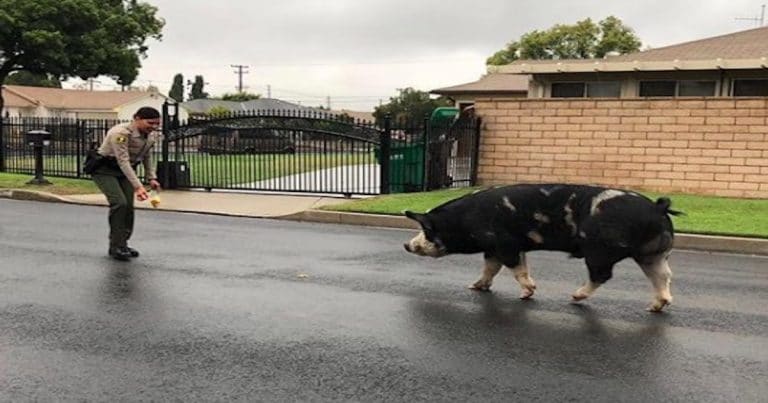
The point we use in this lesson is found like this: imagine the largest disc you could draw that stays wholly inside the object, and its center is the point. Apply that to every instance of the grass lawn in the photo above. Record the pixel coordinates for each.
(224, 170)
(227, 170)
(704, 214)
(60, 186)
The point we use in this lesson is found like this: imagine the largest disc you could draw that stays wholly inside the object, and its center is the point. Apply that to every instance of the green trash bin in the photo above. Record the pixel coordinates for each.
(406, 166)
(443, 116)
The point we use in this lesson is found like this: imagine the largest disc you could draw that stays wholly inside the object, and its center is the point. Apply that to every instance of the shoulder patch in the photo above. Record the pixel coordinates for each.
(121, 139)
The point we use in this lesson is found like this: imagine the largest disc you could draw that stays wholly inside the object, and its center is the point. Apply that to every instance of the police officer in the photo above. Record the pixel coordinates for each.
(125, 146)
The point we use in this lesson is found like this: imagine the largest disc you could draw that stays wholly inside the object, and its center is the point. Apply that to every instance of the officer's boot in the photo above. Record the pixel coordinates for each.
(133, 252)
(120, 253)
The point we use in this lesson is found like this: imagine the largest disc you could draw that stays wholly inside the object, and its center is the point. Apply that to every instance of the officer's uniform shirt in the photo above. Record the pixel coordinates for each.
(125, 143)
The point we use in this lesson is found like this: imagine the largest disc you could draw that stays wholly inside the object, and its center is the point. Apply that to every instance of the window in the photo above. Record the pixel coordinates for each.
(694, 88)
(604, 89)
(657, 88)
(593, 89)
(567, 90)
(750, 88)
(682, 88)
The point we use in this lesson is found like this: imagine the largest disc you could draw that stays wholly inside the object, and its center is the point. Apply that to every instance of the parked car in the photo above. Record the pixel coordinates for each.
(223, 140)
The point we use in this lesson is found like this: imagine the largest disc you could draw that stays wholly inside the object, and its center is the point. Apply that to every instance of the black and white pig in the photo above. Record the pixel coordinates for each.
(601, 225)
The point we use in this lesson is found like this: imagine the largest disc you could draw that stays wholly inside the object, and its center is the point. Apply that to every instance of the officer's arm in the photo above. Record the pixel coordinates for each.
(119, 143)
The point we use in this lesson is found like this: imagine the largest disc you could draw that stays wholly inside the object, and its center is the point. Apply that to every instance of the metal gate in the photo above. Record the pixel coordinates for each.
(310, 151)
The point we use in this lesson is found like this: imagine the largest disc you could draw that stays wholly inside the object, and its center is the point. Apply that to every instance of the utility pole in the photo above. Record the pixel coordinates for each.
(758, 21)
(269, 91)
(328, 102)
(90, 83)
(240, 71)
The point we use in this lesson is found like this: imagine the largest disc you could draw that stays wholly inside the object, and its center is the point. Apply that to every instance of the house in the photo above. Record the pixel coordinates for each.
(25, 101)
(687, 118)
(203, 106)
(496, 85)
(732, 65)
(360, 116)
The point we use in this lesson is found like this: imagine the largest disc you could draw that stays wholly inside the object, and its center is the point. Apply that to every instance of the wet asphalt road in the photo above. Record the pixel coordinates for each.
(221, 308)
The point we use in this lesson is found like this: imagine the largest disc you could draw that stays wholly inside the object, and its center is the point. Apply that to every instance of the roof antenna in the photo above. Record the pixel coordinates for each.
(758, 21)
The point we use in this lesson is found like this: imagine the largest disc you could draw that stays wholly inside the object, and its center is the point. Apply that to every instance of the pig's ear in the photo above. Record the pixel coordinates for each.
(419, 218)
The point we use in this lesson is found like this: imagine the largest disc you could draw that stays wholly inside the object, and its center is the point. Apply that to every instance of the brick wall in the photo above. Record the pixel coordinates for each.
(713, 146)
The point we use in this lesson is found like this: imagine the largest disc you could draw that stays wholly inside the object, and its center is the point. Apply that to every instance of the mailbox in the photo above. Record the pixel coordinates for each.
(38, 138)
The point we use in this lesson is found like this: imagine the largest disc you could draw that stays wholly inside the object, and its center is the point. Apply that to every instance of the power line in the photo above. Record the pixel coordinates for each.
(759, 21)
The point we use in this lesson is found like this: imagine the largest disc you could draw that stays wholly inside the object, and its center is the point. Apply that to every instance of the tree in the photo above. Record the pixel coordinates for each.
(219, 112)
(75, 38)
(583, 40)
(177, 89)
(410, 105)
(197, 89)
(82, 38)
(34, 80)
(240, 96)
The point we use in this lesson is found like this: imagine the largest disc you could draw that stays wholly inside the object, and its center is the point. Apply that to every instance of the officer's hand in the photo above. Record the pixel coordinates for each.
(141, 193)
(154, 184)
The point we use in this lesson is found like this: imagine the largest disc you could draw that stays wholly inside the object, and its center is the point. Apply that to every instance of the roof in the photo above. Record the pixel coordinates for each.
(15, 100)
(739, 50)
(738, 45)
(490, 83)
(204, 105)
(59, 98)
(357, 115)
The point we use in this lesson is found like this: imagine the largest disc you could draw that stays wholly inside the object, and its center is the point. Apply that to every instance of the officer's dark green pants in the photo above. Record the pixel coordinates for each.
(119, 192)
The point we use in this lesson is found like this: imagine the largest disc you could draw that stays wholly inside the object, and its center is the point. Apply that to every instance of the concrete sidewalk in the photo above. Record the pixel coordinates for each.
(224, 203)
(300, 207)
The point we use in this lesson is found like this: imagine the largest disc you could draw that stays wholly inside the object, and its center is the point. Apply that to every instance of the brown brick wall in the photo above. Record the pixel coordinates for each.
(715, 146)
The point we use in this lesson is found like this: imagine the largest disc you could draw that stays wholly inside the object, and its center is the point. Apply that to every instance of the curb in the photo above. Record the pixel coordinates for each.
(708, 243)
(335, 217)
(22, 194)
(750, 246)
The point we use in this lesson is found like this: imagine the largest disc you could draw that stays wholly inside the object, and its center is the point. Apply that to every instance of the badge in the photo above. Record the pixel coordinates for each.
(121, 139)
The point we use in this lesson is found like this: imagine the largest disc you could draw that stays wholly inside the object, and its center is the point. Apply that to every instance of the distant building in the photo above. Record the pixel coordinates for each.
(203, 106)
(490, 85)
(25, 101)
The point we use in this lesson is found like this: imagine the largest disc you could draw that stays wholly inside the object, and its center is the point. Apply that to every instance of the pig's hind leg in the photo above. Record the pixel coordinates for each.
(523, 276)
(491, 269)
(656, 268)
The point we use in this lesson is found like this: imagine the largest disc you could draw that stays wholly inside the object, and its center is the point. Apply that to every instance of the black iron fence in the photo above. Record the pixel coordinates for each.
(63, 155)
(287, 151)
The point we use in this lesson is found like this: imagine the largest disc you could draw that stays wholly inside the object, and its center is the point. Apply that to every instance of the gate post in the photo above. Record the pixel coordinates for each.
(475, 153)
(79, 146)
(425, 149)
(2, 142)
(164, 158)
(385, 140)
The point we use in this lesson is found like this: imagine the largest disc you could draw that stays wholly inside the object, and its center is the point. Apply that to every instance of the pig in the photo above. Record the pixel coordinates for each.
(599, 224)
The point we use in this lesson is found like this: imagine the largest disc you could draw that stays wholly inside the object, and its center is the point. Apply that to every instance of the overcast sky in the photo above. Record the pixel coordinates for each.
(359, 52)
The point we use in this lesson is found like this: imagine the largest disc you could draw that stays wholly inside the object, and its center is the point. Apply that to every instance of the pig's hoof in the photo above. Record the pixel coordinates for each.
(578, 296)
(527, 293)
(480, 286)
(659, 304)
